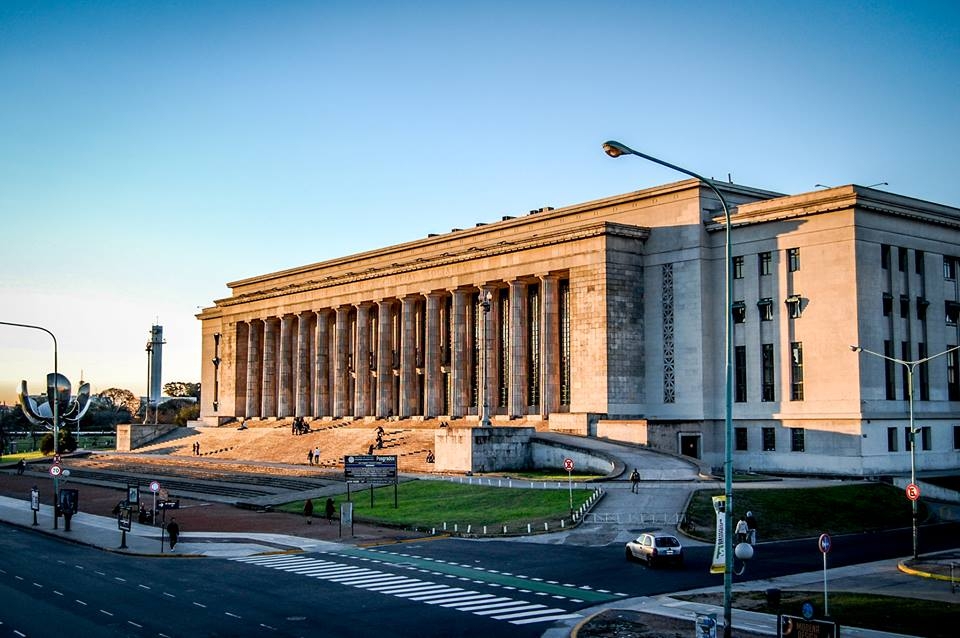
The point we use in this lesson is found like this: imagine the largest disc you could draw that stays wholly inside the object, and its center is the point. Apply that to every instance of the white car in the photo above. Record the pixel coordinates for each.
(655, 549)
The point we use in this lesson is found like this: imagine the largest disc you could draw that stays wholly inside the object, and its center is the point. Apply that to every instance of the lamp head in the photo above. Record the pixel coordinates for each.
(615, 149)
(856, 348)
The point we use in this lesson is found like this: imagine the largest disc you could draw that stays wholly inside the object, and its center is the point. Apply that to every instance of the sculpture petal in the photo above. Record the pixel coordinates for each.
(29, 406)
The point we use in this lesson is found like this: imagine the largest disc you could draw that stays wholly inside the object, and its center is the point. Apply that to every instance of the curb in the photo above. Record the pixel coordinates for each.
(901, 565)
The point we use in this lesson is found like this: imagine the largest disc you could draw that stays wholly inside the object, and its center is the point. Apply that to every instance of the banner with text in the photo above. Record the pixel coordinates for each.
(719, 549)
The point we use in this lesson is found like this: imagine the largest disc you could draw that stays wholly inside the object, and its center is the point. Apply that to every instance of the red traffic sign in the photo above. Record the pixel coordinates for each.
(913, 491)
(55, 470)
(568, 464)
(154, 486)
(824, 543)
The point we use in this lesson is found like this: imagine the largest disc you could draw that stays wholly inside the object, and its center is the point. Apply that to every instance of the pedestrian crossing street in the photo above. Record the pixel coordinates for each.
(512, 610)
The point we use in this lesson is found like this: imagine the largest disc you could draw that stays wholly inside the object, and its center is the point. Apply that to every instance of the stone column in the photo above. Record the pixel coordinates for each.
(517, 401)
(254, 359)
(432, 375)
(341, 375)
(384, 359)
(271, 328)
(459, 355)
(361, 362)
(285, 407)
(321, 360)
(549, 345)
(303, 384)
(408, 357)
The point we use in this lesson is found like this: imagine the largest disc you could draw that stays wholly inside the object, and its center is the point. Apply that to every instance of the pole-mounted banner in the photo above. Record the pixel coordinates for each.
(719, 549)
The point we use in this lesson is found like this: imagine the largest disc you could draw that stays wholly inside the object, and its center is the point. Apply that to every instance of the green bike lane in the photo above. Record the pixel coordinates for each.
(506, 580)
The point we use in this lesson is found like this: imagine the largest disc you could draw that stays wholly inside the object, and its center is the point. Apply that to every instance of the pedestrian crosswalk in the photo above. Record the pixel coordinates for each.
(506, 608)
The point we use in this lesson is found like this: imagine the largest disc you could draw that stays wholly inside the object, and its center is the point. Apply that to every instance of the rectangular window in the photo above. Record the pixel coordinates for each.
(926, 438)
(740, 374)
(739, 311)
(764, 263)
(767, 372)
(887, 304)
(922, 304)
(907, 439)
(796, 439)
(793, 259)
(765, 307)
(741, 438)
(904, 306)
(952, 310)
(769, 440)
(737, 267)
(889, 371)
(918, 264)
(956, 437)
(924, 373)
(905, 378)
(902, 260)
(796, 371)
(953, 381)
(794, 306)
(885, 257)
(949, 268)
(891, 439)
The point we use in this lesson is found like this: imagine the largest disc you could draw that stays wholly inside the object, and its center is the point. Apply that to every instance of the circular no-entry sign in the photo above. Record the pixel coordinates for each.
(913, 491)
(154, 486)
(825, 543)
(55, 470)
(568, 464)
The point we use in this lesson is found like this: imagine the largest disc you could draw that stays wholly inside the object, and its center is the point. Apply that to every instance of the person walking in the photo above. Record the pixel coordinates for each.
(329, 510)
(742, 531)
(308, 511)
(316, 455)
(635, 481)
(310, 457)
(21, 466)
(173, 530)
(752, 528)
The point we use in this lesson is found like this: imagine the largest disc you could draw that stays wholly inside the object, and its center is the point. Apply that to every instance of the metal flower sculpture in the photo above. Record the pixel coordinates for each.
(69, 409)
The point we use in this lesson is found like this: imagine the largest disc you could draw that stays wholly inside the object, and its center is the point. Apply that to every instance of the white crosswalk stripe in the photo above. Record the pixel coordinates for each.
(515, 611)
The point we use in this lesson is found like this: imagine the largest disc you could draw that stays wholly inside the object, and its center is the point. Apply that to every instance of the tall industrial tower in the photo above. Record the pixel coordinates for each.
(154, 370)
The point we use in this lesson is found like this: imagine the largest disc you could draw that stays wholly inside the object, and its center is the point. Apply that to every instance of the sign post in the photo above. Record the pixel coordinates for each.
(375, 469)
(913, 491)
(154, 487)
(824, 543)
(35, 503)
(568, 466)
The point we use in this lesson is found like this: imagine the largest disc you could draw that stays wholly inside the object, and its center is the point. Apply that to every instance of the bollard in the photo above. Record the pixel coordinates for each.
(444, 525)
(545, 528)
(469, 527)
(456, 528)
(528, 528)
(561, 524)
(433, 532)
(504, 529)
(484, 530)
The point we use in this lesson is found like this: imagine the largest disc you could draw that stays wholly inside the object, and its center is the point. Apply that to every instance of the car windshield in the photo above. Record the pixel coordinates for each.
(667, 541)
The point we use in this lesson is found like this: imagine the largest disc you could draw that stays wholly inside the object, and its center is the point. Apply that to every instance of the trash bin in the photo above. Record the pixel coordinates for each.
(773, 598)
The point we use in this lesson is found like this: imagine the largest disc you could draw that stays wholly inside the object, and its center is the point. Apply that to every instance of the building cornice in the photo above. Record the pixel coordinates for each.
(502, 247)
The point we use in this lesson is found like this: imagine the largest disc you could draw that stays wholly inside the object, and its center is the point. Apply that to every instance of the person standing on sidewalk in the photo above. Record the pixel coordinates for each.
(330, 508)
(308, 511)
(752, 528)
(173, 530)
(635, 481)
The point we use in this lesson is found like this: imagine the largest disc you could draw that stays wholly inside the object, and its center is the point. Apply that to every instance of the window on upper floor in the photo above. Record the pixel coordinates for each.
(891, 439)
(793, 259)
(740, 374)
(794, 305)
(902, 260)
(953, 379)
(956, 437)
(890, 376)
(766, 372)
(765, 307)
(926, 438)
(764, 263)
(737, 267)
(887, 304)
(952, 311)
(796, 371)
(949, 267)
(904, 306)
(922, 304)
(918, 263)
(885, 256)
(739, 311)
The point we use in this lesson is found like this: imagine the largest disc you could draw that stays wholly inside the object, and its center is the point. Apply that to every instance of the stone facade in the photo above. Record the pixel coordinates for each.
(613, 311)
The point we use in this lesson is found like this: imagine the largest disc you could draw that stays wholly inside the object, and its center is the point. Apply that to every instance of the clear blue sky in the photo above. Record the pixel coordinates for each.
(152, 151)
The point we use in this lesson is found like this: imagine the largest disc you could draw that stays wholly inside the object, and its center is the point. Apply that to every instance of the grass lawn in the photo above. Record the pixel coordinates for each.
(805, 512)
(430, 504)
(910, 616)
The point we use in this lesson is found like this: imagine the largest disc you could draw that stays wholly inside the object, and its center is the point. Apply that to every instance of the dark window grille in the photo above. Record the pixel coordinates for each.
(891, 439)
(796, 439)
(890, 382)
(737, 267)
(769, 440)
(767, 376)
(885, 257)
(740, 372)
(533, 341)
(565, 342)
(740, 435)
(793, 259)
(796, 371)
(503, 355)
(764, 261)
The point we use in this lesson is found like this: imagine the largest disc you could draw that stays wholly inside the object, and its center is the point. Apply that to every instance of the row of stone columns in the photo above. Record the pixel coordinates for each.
(386, 358)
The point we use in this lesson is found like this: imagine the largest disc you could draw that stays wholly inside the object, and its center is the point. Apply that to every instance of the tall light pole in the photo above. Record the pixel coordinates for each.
(485, 298)
(56, 414)
(909, 366)
(616, 149)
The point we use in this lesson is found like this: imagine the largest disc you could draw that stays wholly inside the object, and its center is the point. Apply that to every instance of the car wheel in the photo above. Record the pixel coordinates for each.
(629, 555)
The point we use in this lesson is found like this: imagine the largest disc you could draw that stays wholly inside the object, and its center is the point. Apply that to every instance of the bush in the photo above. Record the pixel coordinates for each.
(187, 413)
(67, 442)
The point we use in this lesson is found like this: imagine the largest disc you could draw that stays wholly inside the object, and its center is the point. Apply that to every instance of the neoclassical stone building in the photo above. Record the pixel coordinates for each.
(607, 319)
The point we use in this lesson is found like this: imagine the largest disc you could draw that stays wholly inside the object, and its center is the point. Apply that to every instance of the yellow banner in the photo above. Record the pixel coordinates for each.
(719, 549)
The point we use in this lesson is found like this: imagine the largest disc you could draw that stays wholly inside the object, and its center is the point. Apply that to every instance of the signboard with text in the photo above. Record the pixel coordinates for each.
(797, 627)
(370, 468)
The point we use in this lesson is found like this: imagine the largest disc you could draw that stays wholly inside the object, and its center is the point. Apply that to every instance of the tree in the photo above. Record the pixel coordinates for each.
(182, 389)
(120, 400)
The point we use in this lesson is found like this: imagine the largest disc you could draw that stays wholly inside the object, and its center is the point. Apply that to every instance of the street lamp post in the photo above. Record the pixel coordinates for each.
(485, 297)
(909, 366)
(56, 415)
(616, 149)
